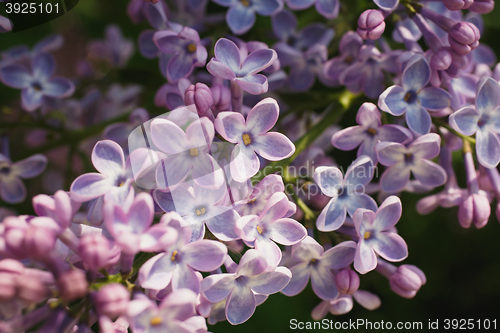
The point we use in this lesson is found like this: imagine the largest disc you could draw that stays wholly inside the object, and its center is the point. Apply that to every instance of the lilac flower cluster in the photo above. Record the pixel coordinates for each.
(197, 215)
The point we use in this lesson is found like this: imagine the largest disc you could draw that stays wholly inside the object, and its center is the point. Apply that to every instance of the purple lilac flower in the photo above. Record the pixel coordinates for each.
(376, 236)
(349, 47)
(344, 304)
(132, 228)
(257, 198)
(241, 14)
(238, 288)
(12, 189)
(179, 262)
(482, 120)
(414, 98)
(173, 315)
(187, 50)
(5, 24)
(414, 158)
(199, 207)
(114, 49)
(114, 180)
(369, 132)
(251, 137)
(271, 226)
(404, 280)
(186, 151)
(327, 8)
(38, 82)
(229, 65)
(346, 193)
(315, 263)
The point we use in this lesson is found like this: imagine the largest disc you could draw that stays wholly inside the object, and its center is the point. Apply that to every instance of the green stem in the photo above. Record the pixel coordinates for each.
(308, 213)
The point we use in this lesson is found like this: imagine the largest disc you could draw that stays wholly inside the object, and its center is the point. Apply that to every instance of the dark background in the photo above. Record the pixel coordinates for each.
(462, 266)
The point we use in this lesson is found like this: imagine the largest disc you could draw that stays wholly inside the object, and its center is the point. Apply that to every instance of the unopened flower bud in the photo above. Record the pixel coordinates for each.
(371, 24)
(464, 37)
(457, 4)
(39, 242)
(31, 290)
(441, 60)
(73, 285)
(96, 251)
(10, 270)
(221, 98)
(482, 6)
(13, 234)
(347, 281)
(111, 300)
(407, 280)
(475, 208)
(199, 95)
(341, 305)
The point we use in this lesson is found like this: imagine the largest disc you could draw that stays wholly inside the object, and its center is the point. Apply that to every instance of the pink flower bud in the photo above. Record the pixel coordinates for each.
(39, 242)
(96, 251)
(464, 37)
(441, 60)
(457, 4)
(13, 234)
(10, 270)
(222, 98)
(32, 290)
(341, 305)
(407, 280)
(482, 6)
(475, 208)
(199, 95)
(73, 285)
(371, 24)
(112, 300)
(347, 281)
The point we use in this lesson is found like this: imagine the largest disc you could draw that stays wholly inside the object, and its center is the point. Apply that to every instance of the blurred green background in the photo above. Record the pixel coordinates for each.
(462, 266)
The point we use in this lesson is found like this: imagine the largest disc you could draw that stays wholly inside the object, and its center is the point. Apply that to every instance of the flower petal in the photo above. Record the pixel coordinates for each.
(328, 8)
(31, 99)
(390, 153)
(465, 120)
(183, 276)
(168, 137)
(388, 214)
(244, 163)
(329, 179)
(433, 98)
(240, 304)
(30, 167)
(359, 173)
(140, 214)
(365, 259)
(488, 95)
(267, 7)
(156, 273)
(392, 101)
(222, 223)
(179, 66)
(108, 158)
(395, 178)
(270, 282)
(300, 277)
(263, 116)
(252, 263)
(231, 125)
(254, 84)
(217, 287)
(269, 250)
(388, 5)
(426, 146)
(204, 255)
(349, 138)
(307, 249)
(273, 146)
(418, 119)
(240, 19)
(390, 246)
(58, 87)
(417, 74)
(258, 61)
(339, 256)
(43, 66)
(15, 76)
(487, 148)
(430, 173)
(332, 216)
(287, 231)
(89, 186)
(220, 70)
(299, 4)
(323, 283)
(12, 190)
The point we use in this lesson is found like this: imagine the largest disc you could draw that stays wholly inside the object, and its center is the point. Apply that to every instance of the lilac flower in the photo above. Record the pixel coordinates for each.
(251, 137)
(132, 228)
(114, 49)
(317, 264)
(37, 83)
(414, 98)
(271, 226)
(186, 151)
(349, 47)
(367, 73)
(171, 316)
(484, 121)
(375, 235)
(241, 14)
(239, 287)
(229, 65)
(369, 132)
(114, 179)
(402, 160)
(5, 24)
(179, 262)
(346, 193)
(200, 206)
(187, 50)
(257, 198)
(344, 304)
(12, 189)
(327, 8)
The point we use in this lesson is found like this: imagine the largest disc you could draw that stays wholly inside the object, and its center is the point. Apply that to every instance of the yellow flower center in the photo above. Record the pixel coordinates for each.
(155, 321)
(372, 131)
(245, 3)
(313, 260)
(200, 211)
(259, 229)
(367, 235)
(174, 255)
(253, 200)
(246, 139)
(191, 48)
(193, 152)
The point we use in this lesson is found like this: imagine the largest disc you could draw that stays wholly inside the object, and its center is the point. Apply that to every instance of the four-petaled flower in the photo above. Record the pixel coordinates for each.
(251, 137)
(239, 288)
(327, 8)
(376, 236)
(347, 193)
(415, 158)
(37, 83)
(315, 263)
(369, 132)
(484, 121)
(414, 98)
(229, 65)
